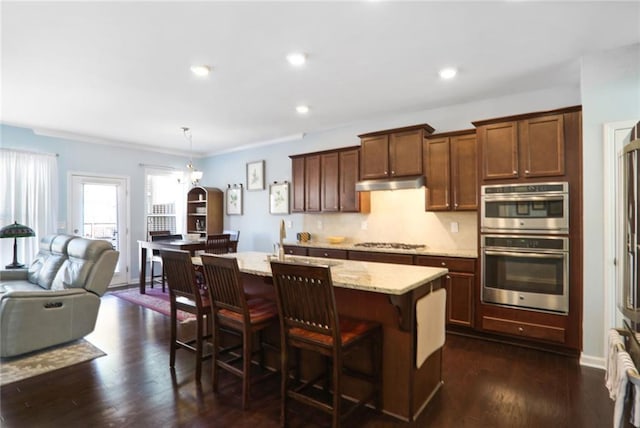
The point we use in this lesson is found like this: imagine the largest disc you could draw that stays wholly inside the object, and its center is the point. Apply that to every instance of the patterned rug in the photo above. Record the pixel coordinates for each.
(154, 299)
(39, 362)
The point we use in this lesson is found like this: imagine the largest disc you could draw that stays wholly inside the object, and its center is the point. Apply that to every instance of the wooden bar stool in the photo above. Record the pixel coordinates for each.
(185, 295)
(232, 310)
(309, 320)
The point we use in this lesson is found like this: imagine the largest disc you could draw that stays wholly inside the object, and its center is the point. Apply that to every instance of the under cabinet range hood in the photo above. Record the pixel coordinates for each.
(414, 182)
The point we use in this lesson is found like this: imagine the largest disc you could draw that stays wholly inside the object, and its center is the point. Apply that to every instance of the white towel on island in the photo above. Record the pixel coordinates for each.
(430, 319)
(611, 374)
(626, 392)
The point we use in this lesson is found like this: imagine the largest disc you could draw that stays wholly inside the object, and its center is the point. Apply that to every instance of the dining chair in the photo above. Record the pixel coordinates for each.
(185, 295)
(155, 254)
(234, 237)
(309, 321)
(232, 310)
(217, 244)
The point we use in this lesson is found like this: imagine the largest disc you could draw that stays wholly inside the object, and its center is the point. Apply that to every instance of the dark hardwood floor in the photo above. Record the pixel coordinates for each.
(486, 385)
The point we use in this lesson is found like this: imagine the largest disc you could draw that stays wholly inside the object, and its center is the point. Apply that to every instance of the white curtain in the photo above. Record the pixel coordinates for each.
(28, 195)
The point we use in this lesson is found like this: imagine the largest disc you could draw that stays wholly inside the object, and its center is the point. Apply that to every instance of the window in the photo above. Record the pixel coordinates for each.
(165, 200)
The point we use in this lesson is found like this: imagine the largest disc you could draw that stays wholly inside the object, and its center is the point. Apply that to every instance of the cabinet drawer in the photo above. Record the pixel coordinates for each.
(366, 256)
(533, 331)
(451, 263)
(328, 253)
(296, 251)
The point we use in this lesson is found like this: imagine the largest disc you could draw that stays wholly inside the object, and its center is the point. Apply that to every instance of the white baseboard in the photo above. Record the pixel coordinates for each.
(591, 361)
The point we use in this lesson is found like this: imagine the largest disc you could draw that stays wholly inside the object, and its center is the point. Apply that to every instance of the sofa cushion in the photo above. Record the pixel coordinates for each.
(18, 285)
(52, 254)
(82, 256)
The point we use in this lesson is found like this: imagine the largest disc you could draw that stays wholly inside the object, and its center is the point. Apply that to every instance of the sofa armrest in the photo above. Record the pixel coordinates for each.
(44, 293)
(14, 274)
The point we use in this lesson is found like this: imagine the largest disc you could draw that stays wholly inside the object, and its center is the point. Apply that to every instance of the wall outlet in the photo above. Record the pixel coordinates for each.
(319, 224)
(364, 225)
(454, 227)
(288, 224)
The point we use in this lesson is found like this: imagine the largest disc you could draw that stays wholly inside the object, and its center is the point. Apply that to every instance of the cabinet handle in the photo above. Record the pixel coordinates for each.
(448, 277)
(443, 263)
(526, 171)
(515, 172)
(520, 329)
(393, 173)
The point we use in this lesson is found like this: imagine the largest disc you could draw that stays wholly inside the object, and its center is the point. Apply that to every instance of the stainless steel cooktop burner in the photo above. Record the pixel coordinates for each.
(394, 245)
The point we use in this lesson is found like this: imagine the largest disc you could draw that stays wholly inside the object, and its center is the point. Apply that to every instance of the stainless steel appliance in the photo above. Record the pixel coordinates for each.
(629, 301)
(526, 271)
(525, 208)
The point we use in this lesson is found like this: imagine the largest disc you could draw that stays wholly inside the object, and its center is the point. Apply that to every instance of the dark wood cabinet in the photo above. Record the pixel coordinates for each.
(204, 211)
(312, 183)
(371, 256)
(295, 250)
(326, 182)
(450, 163)
(460, 285)
(531, 147)
(329, 253)
(393, 152)
(330, 185)
(297, 192)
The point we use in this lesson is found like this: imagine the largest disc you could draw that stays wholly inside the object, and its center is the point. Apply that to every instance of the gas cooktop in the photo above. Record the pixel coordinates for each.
(394, 245)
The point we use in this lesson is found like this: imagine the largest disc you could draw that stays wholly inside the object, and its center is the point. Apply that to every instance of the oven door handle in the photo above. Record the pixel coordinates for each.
(537, 254)
(514, 198)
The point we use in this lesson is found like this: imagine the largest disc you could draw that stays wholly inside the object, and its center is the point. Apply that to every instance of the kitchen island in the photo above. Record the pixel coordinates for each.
(386, 293)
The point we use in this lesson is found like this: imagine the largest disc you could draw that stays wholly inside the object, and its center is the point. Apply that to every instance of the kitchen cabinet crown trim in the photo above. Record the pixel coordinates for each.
(451, 133)
(527, 115)
(428, 128)
(322, 152)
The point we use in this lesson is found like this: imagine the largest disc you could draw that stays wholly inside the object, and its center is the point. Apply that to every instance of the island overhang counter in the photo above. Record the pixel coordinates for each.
(382, 292)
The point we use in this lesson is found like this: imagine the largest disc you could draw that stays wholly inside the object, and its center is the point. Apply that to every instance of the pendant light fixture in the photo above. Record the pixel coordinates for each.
(194, 175)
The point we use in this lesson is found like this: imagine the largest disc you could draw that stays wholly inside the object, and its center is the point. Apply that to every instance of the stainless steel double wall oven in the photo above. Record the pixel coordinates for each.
(524, 245)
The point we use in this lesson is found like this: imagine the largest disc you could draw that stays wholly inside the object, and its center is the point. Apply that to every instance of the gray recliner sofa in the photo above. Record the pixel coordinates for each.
(57, 299)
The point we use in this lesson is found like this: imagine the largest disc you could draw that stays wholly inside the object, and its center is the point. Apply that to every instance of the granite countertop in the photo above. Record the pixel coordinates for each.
(425, 251)
(368, 276)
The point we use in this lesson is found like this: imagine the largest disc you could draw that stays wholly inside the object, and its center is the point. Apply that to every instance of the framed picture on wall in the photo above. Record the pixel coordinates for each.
(234, 199)
(279, 198)
(255, 175)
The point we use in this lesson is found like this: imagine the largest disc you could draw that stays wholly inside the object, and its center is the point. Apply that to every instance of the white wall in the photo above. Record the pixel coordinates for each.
(610, 87)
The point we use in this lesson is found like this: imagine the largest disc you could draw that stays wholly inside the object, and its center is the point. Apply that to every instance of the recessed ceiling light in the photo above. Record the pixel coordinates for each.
(302, 109)
(297, 58)
(201, 70)
(448, 73)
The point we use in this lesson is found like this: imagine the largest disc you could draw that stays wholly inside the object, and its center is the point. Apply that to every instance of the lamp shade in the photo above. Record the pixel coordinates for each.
(16, 230)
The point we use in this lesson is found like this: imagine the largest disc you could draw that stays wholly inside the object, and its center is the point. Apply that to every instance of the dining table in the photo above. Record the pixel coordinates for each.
(179, 244)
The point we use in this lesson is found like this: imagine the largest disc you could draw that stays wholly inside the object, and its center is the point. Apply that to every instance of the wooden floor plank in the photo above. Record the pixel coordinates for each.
(487, 384)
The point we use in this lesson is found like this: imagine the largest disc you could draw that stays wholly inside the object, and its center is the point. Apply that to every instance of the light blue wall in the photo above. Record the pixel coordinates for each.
(610, 93)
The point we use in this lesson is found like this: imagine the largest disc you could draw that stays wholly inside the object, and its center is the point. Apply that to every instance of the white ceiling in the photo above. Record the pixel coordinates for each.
(120, 71)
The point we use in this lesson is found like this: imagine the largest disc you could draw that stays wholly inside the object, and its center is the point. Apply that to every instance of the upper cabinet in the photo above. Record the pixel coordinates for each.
(450, 163)
(522, 147)
(393, 152)
(326, 182)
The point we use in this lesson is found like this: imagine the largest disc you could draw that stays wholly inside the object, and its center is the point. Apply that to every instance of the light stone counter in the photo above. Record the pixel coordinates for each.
(385, 278)
(425, 251)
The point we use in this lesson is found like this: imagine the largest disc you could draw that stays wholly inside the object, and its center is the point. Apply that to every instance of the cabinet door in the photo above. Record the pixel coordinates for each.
(542, 146)
(330, 186)
(464, 172)
(499, 150)
(460, 288)
(375, 157)
(405, 153)
(297, 174)
(348, 176)
(438, 174)
(312, 183)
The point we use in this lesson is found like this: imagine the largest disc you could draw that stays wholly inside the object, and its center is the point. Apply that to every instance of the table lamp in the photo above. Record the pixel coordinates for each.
(15, 231)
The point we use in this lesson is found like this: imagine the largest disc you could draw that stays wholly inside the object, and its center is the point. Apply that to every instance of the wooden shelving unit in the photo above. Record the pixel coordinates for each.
(204, 210)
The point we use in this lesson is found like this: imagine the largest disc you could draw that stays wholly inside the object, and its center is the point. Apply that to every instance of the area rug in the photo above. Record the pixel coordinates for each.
(154, 299)
(39, 362)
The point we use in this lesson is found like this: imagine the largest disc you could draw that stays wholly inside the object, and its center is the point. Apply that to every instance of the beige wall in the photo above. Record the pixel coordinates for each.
(398, 216)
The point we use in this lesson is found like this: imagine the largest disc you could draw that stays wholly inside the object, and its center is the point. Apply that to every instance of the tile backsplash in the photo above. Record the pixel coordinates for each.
(398, 216)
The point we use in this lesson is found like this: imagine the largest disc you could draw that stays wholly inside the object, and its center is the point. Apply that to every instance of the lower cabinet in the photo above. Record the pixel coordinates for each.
(371, 256)
(460, 286)
(295, 250)
(327, 253)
